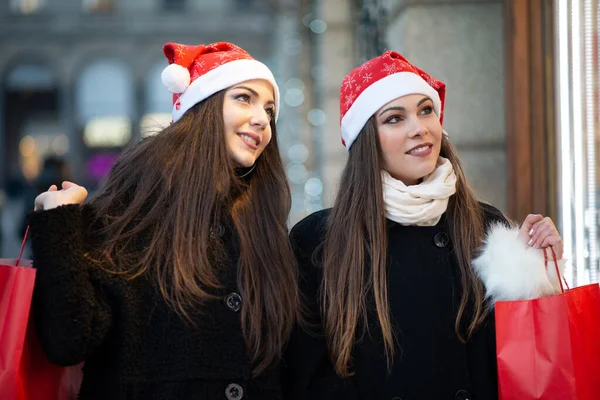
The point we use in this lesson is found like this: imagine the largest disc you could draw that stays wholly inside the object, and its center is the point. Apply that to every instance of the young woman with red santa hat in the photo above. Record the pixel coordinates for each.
(177, 280)
(400, 275)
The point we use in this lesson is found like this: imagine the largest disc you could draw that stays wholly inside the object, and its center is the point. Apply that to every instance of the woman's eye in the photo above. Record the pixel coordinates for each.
(271, 112)
(427, 110)
(393, 119)
(243, 97)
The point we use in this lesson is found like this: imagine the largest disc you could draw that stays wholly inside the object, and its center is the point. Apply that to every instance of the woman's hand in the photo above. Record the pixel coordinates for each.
(70, 193)
(539, 232)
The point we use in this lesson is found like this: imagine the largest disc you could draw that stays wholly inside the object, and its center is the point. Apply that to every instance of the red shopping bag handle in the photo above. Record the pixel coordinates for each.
(558, 275)
(23, 245)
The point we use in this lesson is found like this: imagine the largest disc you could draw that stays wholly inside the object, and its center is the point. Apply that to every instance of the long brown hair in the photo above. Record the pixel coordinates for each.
(172, 189)
(356, 237)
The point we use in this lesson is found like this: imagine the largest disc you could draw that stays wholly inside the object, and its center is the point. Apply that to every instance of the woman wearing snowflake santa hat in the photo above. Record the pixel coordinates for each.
(176, 281)
(401, 274)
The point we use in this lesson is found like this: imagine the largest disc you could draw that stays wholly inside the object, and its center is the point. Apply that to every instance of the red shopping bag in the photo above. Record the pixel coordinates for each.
(549, 348)
(25, 372)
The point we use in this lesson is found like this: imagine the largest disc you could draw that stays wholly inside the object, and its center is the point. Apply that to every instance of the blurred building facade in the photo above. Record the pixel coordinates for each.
(81, 79)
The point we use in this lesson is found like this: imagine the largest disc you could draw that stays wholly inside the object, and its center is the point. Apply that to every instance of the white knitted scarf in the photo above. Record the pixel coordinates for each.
(422, 204)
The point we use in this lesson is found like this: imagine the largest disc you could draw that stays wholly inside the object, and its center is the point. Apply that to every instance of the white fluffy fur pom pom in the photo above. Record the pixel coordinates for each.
(511, 270)
(175, 78)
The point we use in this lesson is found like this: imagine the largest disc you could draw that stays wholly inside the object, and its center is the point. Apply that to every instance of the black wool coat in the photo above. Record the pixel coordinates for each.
(134, 345)
(424, 285)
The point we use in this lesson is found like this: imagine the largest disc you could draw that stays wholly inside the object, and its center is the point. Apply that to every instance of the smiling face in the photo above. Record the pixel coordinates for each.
(410, 135)
(248, 109)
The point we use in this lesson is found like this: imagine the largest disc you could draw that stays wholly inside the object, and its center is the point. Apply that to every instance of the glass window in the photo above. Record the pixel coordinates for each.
(578, 128)
(158, 102)
(104, 98)
(31, 76)
(32, 101)
(104, 88)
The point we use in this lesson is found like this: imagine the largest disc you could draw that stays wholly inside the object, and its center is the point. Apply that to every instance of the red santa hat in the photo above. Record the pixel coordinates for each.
(197, 72)
(375, 83)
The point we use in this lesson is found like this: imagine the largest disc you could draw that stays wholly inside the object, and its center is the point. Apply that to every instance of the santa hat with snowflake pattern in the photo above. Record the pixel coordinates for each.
(375, 83)
(197, 72)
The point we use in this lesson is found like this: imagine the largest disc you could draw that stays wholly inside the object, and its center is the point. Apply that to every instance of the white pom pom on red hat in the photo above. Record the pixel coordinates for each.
(175, 78)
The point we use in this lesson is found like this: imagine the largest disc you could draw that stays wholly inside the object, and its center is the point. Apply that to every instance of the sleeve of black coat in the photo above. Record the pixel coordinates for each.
(71, 314)
(307, 371)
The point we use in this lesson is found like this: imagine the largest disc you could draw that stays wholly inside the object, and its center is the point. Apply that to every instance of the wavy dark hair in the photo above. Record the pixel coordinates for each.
(174, 187)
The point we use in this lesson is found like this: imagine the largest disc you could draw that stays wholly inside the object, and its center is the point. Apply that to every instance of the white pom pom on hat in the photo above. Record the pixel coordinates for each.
(175, 78)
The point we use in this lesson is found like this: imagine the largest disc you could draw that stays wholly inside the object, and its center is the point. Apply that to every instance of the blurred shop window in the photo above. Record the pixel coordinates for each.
(32, 123)
(107, 131)
(158, 103)
(104, 112)
(577, 109)
(173, 5)
(98, 5)
(42, 138)
(27, 6)
(30, 77)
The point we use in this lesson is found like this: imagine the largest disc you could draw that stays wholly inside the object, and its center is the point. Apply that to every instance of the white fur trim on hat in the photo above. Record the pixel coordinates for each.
(222, 77)
(511, 270)
(379, 94)
(175, 78)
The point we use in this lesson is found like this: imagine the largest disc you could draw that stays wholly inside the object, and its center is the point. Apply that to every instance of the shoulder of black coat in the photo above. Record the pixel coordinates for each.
(492, 215)
(309, 233)
(314, 223)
